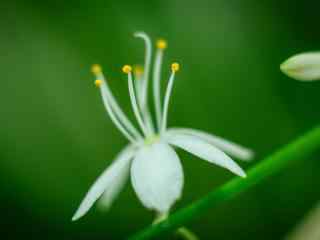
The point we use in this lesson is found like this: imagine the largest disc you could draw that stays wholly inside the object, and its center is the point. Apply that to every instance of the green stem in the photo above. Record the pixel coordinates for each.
(299, 149)
(186, 234)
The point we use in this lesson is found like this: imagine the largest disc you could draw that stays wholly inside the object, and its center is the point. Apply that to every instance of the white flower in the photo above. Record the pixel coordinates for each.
(303, 66)
(150, 159)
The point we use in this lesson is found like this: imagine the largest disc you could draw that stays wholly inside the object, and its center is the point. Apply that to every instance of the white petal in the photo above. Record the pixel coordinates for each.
(157, 176)
(227, 146)
(304, 66)
(204, 150)
(109, 181)
(112, 192)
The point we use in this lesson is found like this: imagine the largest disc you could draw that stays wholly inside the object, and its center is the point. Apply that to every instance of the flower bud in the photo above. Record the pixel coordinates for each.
(304, 66)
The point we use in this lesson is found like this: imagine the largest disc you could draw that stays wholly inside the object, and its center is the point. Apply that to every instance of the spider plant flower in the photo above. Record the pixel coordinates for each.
(303, 66)
(149, 158)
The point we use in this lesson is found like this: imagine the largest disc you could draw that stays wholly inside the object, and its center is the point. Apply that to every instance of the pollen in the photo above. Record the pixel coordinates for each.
(138, 70)
(161, 44)
(175, 67)
(96, 69)
(98, 82)
(126, 69)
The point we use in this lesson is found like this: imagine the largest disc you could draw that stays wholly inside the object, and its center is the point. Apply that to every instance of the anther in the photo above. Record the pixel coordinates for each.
(96, 69)
(175, 67)
(161, 44)
(138, 70)
(98, 82)
(126, 69)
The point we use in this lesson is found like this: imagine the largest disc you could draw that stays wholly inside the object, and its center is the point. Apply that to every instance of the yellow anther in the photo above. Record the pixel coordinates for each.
(96, 69)
(161, 44)
(98, 82)
(138, 70)
(175, 67)
(126, 69)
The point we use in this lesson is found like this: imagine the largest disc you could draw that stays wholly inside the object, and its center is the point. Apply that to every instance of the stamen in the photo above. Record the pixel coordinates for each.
(97, 70)
(174, 68)
(103, 88)
(147, 63)
(127, 69)
(161, 45)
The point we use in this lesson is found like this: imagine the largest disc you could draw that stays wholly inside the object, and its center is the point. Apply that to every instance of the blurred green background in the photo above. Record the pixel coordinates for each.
(55, 138)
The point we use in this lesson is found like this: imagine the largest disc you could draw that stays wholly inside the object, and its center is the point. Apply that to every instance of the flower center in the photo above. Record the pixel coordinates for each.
(151, 139)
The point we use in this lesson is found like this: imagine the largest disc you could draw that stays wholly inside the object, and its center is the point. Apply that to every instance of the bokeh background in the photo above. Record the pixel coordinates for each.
(55, 137)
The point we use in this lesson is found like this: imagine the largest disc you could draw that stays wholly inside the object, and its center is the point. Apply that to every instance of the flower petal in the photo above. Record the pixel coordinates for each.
(111, 180)
(204, 150)
(304, 66)
(227, 146)
(157, 176)
(112, 192)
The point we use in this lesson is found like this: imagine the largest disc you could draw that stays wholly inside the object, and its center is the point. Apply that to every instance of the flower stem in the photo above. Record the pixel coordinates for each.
(299, 149)
(186, 234)
(183, 232)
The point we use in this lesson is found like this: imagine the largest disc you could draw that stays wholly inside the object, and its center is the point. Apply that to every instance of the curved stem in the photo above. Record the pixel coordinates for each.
(299, 149)
(308, 227)
(182, 231)
(147, 63)
(145, 82)
(186, 234)
(160, 217)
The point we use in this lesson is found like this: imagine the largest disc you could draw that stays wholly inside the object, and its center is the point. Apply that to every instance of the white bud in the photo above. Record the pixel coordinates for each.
(304, 66)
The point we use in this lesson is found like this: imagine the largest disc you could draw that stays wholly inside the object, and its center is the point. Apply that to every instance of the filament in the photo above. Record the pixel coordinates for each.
(174, 68)
(138, 75)
(147, 63)
(104, 93)
(116, 108)
(135, 104)
(145, 81)
(156, 85)
(138, 80)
